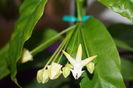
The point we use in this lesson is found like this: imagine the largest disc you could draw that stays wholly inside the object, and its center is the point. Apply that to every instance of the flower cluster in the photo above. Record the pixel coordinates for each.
(75, 66)
(78, 63)
(52, 71)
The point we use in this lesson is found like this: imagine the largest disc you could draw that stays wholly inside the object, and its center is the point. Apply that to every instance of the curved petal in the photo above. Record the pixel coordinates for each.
(70, 59)
(86, 61)
(79, 53)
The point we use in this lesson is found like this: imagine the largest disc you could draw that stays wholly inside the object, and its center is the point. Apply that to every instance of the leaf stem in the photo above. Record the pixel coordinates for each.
(56, 53)
(84, 41)
(79, 9)
(44, 45)
(68, 39)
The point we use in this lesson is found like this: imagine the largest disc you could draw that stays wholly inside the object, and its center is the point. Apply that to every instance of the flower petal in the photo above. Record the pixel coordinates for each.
(90, 67)
(26, 56)
(42, 76)
(54, 71)
(86, 61)
(79, 53)
(70, 59)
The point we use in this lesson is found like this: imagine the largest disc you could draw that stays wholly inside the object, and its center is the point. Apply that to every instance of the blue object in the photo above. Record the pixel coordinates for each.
(84, 18)
(70, 19)
(74, 19)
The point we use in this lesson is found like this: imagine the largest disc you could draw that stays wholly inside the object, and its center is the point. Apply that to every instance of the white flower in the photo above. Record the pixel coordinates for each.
(26, 56)
(77, 63)
(54, 70)
(42, 75)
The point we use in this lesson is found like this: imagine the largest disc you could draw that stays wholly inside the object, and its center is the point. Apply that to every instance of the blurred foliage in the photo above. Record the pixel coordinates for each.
(23, 30)
(61, 82)
(8, 9)
(123, 35)
(3, 3)
(40, 36)
(92, 35)
(127, 70)
(4, 71)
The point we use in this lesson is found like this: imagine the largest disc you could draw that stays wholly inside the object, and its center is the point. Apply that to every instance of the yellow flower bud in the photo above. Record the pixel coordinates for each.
(26, 56)
(42, 76)
(90, 67)
(54, 70)
(66, 70)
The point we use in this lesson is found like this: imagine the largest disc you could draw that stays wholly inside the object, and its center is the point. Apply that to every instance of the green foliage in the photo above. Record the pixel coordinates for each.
(4, 71)
(127, 70)
(122, 34)
(92, 34)
(30, 13)
(123, 7)
(107, 72)
(50, 41)
(40, 37)
(96, 40)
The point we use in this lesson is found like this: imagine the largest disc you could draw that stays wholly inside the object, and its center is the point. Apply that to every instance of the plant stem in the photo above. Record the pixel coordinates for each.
(44, 45)
(84, 40)
(79, 9)
(56, 53)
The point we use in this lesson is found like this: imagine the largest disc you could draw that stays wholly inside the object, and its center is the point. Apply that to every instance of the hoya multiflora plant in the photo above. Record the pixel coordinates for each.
(88, 48)
(53, 70)
(84, 56)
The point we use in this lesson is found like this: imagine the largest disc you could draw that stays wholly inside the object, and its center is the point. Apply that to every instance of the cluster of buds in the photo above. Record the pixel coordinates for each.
(52, 72)
(75, 66)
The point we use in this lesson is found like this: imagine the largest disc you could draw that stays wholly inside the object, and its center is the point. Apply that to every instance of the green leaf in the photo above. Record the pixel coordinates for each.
(30, 13)
(96, 40)
(4, 71)
(38, 37)
(107, 71)
(122, 34)
(127, 69)
(123, 7)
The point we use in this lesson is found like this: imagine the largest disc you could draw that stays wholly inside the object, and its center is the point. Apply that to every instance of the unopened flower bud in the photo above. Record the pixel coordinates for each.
(42, 76)
(54, 70)
(66, 70)
(90, 67)
(26, 56)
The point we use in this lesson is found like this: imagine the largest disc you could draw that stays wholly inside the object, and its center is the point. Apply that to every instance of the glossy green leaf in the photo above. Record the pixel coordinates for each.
(96, 40)
(30, 13)
(127, 69)
(123, 7)
(107, 71)
(99, 42)
(123, 35)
